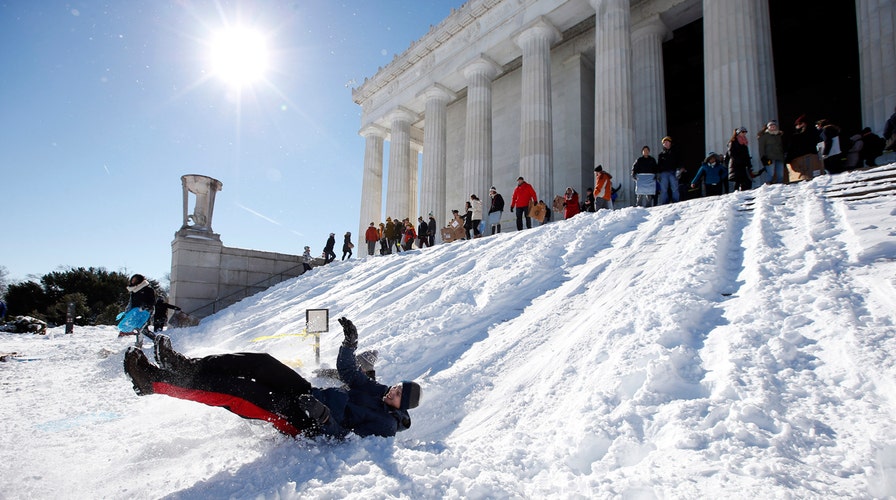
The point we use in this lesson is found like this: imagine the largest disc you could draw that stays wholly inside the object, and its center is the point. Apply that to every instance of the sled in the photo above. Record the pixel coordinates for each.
(645, 185)
(133, 320)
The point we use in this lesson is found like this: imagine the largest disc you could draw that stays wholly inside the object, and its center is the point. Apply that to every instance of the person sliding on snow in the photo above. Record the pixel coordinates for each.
(257, 386)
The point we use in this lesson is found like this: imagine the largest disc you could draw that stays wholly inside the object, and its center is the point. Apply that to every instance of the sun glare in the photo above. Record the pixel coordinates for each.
(239, 56)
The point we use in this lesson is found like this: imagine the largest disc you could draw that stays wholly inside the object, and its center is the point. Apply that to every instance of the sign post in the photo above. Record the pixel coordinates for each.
(317, 321)
(70, 318)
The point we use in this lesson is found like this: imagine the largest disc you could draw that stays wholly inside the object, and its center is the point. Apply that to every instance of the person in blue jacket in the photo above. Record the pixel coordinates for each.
(714, 175)
(257, 386)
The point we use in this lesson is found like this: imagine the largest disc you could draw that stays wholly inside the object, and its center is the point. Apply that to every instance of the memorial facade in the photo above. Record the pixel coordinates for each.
(548, 89)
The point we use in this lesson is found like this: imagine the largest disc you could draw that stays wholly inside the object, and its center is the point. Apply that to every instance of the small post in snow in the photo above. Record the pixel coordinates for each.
(317, 321)
(70, 318)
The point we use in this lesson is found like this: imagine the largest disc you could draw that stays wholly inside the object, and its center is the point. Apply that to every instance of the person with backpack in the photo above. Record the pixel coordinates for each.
(830, 146)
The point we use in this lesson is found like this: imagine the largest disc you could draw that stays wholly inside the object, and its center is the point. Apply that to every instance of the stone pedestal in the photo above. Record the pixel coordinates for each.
(199, 223)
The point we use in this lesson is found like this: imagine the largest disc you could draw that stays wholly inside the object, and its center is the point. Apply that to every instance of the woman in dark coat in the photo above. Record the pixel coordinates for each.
(347, 246)
(739, 161)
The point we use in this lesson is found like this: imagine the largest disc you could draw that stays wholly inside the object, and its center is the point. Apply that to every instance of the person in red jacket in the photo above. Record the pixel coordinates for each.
(571, 203)
(523, 196)
(371, 237)
(603, 189)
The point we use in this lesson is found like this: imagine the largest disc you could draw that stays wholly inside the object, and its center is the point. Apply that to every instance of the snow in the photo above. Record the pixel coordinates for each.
(742, 346)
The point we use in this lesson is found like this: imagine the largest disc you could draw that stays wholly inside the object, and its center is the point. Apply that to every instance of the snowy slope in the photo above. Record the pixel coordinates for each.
(741, 346)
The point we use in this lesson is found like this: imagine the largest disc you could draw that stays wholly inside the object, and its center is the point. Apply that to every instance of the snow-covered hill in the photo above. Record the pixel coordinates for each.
(740, 347)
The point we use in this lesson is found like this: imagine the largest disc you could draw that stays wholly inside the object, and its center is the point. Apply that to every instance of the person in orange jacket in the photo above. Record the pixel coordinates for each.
(523, 196)
(603, 189)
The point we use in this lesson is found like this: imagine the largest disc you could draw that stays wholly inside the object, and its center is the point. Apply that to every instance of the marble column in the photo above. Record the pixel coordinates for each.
(648, 92)
(613, 116)
(432, 181)
(536, 121)
(876, 21)
(768, 97)
(478, 133)
(398, 192)
(372, 179)
(732, 46)
(413, 178)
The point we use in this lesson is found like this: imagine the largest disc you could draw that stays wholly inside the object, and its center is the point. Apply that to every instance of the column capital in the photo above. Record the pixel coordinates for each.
(653, 25)
(482, 65)
(438, 91)
(374, 130)
(401, 112)
(541, 28)
(599, 4)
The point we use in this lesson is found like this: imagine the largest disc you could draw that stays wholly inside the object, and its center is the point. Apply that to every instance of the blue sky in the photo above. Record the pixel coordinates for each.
(105, 105)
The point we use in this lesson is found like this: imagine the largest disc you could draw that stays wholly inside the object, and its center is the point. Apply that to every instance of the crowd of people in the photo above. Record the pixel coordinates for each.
(744, 165)
(809, 152)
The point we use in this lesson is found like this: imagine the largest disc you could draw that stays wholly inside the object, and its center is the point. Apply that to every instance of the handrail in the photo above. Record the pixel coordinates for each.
(245, 289)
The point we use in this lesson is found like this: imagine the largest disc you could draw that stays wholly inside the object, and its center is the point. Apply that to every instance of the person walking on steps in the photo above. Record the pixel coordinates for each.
(496, 210)
(347, 246)
(523, 199)
(329, 254)
(257, 386)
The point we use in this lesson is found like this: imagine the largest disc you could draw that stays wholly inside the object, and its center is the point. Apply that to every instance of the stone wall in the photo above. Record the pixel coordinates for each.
(207, 276)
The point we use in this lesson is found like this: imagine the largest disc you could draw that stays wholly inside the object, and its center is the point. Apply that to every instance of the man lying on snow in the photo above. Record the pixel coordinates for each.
(257, 386)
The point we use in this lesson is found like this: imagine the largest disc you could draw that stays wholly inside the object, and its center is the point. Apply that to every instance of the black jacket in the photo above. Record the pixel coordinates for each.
(667, 161)
(144, 298)
(644, 165)
(801, 144)
(497, 204)
(360, 409)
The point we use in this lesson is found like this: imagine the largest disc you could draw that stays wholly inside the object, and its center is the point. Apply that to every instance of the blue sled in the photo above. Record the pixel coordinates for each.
(133, 320)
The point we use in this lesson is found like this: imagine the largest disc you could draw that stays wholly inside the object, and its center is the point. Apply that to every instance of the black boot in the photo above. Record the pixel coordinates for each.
(140, 370)
(169, 359)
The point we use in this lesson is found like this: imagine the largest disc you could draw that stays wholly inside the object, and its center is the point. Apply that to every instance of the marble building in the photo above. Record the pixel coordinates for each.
(547, 89)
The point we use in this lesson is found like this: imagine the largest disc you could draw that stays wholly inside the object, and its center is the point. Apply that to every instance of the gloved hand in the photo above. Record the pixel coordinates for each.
(351, 333)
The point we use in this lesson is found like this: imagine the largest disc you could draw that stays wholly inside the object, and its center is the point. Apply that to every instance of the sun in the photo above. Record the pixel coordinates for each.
(239, 56)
